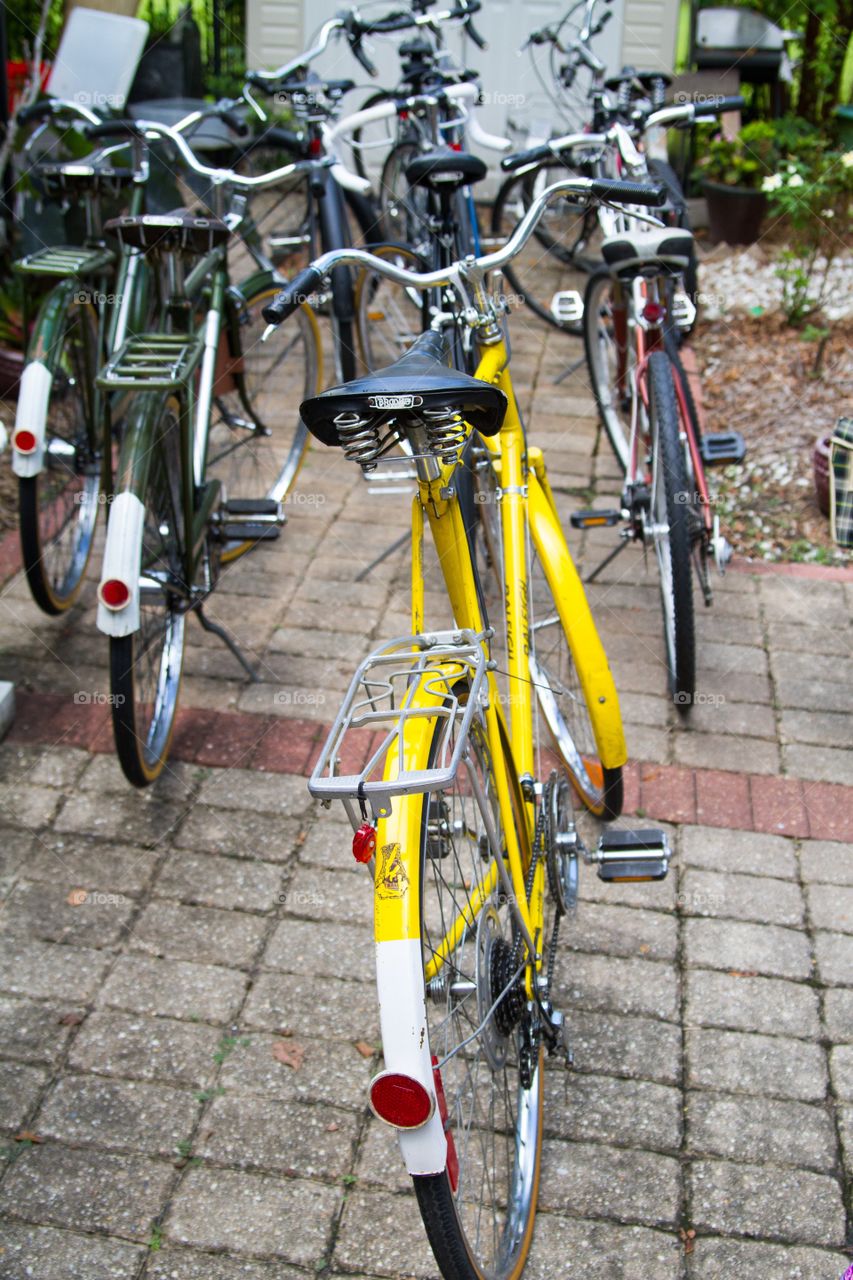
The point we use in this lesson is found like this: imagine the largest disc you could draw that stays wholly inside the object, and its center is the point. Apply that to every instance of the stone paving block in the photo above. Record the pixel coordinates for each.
(834, 953)
(136, 1047)
(831, 907)
(303, 1141)
(282, 795)
(16, 850)
(826, 862)
(813, 695)
(315, 894)
(598, 1108)
(745, 851)
(584, 1250)
(202, 934)
(58, 767)
(841, 1068)
(202, 879)
(90, 864)
(43, 1253)
(743, 1128)
(20, 1087)
(188, 1264)
(740, 719)
(636, 1047)
(28, 806)
(759, 898)
(767, 1066)
(820, 763)
(383, 1234)
(721, 1259)
(64, 912)
(336, 950)
(33, 1032)
(815, 727)
(734, 944)
(248, 1213)
(144, 984)
(151, 820)
(654, 895)
(332, 1072)
(254, 835)
(304, 1005)
(380, 1164)
(790, 1204)
(733, 999)
(726, 751)
(120, 1114)
(806, 639)
(624, 931)
(646, 987)
(588, 1179)
(48, 971)
(176, 783)
(87, 1190)
(838, 1014)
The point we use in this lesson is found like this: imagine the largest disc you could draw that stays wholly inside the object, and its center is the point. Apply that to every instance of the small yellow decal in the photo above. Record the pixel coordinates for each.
(392, 881)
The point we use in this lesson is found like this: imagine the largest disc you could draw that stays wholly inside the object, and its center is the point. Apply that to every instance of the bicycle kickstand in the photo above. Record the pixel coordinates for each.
(231, 643)
(625, 537)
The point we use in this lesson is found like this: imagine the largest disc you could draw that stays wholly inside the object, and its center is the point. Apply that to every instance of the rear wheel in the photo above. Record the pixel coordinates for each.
(479, 1221)
(58, 508)
(145, 667)
(389, 316)
(671, 533)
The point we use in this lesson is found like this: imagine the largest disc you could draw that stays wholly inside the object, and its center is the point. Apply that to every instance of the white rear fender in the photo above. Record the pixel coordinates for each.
(31, 419)
(122, 561)
(405, 1045)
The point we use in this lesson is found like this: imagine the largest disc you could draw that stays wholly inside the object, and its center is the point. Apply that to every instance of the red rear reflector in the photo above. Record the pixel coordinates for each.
(315, 148)
(653, 312)
(401, 1101)
(364, 843)
(114, 593)
(25, 441)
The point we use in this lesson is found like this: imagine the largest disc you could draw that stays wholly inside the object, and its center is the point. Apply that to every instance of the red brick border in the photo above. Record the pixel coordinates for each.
(662, 792)
(770, 568)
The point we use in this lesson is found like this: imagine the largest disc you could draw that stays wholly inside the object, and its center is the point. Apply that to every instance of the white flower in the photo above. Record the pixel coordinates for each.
(828, 213)
(772, 183)
(847, 159)
(795, 180)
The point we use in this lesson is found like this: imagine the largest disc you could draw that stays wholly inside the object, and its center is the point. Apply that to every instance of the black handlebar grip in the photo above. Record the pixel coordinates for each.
(521, 158)
(717, 106)
(358, 52)
(235, 122)
(475, 35)
(115, 129)
(628, 192)
(299, 290)
(257, 81)
(36, 111)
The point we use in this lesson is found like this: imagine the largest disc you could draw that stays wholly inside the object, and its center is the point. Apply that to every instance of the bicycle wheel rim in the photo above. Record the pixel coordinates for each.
(494, 1121)
(609, 355)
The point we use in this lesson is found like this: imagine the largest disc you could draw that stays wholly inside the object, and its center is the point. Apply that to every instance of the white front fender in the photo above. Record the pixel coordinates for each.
(122, 560)
(31, 415)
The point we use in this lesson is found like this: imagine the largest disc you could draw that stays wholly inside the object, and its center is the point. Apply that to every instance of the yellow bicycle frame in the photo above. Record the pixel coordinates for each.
(526, 499)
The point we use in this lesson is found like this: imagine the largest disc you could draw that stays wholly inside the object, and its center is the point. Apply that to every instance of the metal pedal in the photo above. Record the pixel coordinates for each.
(683, 311)
(721, 448)
(567, 306)
(632, 855)
(248, 532)
(595, 519)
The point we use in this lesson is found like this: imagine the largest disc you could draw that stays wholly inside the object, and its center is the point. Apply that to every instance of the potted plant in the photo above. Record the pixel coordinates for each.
(731, 174)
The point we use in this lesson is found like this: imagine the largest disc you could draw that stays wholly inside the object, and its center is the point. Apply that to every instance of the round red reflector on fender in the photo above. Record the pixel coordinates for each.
(25, 441)
(653, 312)
(114, 593)
(401, 1101)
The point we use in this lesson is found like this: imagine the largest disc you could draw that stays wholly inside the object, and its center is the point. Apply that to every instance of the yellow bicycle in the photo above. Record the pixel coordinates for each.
(473, 741)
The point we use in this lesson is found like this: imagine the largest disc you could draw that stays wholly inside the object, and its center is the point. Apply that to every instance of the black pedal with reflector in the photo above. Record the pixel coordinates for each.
(722, 448)
(632, 855)
(595, 519)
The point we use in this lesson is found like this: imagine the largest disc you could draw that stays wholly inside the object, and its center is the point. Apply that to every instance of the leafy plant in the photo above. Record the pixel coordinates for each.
(815, 200)
(742, 161)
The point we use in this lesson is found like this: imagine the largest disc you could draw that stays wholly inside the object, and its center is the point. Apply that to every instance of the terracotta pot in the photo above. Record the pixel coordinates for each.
(735, 214)
(11, 368)
(820, 466)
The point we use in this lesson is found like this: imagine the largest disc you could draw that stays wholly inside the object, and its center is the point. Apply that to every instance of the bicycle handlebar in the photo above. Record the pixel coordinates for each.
(306, 282)
(54, 107)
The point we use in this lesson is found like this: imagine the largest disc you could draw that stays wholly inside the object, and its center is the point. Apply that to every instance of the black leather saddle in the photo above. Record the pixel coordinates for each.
(445, 170)
(177, 232)
(419, 380)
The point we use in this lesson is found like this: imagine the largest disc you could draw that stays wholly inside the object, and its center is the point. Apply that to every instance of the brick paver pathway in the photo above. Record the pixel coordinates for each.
(162, 953)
